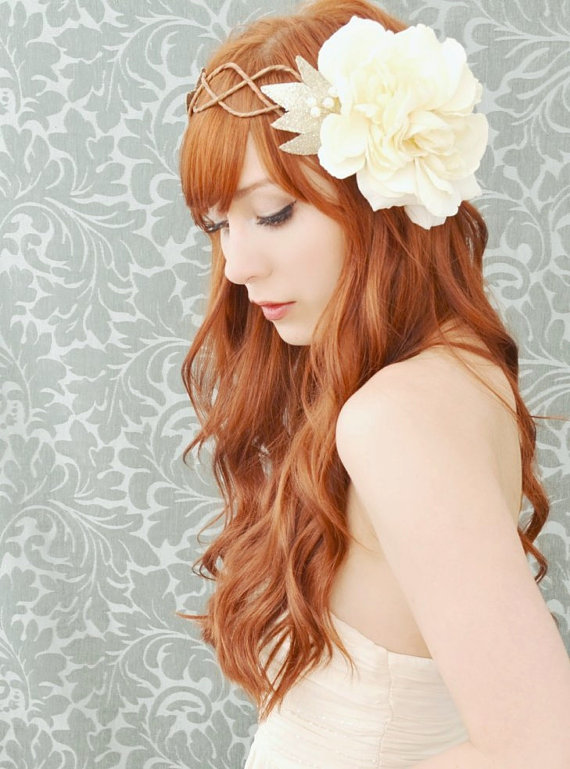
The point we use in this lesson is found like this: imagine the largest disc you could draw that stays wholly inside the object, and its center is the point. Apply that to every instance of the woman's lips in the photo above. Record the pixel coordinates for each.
(275, 311)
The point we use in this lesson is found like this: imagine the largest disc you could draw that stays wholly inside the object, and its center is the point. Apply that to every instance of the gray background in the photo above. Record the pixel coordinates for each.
(102, 281)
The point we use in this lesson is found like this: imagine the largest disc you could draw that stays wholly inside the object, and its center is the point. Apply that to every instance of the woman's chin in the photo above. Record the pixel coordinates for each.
(294, 337)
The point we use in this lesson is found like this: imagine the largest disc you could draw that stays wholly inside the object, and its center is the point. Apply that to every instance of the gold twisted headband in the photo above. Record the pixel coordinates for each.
(203, 84)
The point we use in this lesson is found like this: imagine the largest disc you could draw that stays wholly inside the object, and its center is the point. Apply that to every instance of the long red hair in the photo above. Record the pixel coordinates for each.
(271, 408)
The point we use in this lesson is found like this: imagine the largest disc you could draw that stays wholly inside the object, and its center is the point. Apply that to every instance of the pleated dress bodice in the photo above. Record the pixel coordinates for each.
(392, 712)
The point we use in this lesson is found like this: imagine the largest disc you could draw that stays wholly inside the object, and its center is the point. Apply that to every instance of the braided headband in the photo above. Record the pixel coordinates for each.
(396, 109)
(203, 84)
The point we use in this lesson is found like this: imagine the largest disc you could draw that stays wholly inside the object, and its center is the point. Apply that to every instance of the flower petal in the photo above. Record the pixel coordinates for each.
(472, 141)
(421, 216)
(349, 47)
(384, 193)
(343, 144)
(439, 197)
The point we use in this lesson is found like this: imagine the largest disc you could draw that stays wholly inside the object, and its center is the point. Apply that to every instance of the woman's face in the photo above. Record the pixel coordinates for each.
(284, 251)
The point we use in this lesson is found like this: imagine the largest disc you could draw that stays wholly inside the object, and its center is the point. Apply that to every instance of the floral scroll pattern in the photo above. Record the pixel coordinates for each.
(102, 281)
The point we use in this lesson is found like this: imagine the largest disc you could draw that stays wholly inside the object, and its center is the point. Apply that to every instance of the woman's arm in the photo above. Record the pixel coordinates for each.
(419, 443)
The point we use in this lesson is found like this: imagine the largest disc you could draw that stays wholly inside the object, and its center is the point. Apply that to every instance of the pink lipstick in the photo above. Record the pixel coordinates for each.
(275, 311)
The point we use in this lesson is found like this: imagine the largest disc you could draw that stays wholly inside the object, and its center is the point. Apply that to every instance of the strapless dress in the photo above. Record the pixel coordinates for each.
(394, 712)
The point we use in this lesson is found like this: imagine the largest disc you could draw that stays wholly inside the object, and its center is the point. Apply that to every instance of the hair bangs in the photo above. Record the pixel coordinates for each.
(211, 158)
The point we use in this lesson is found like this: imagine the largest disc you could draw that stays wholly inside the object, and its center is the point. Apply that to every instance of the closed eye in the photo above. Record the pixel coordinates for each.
(273, 220)
(280, 217)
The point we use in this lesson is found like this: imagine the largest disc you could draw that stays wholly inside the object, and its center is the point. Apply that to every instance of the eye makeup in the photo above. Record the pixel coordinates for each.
(272, 220)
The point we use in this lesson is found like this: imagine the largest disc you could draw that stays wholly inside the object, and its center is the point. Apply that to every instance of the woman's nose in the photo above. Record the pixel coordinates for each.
(244, 255)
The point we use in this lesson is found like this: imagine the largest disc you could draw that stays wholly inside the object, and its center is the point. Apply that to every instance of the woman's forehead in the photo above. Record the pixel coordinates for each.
(253, 174)
(253, 177)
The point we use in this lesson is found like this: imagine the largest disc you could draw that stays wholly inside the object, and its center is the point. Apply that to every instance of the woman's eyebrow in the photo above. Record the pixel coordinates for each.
(243, 191)
(265, 182)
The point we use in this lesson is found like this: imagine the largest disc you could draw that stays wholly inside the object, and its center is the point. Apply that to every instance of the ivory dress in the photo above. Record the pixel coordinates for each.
(394, 712)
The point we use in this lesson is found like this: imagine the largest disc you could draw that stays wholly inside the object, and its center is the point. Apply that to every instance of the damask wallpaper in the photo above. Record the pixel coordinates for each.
(102, 281)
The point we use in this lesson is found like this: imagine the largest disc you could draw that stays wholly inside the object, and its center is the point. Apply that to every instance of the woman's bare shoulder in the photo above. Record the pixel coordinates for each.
(437, 395)
(448, 381)
(434, 399)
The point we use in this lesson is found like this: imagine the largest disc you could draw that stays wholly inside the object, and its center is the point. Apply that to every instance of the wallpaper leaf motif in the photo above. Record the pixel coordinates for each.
(103, 281)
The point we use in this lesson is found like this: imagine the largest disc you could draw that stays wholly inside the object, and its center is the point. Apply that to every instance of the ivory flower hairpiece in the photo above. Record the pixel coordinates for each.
(396, 109)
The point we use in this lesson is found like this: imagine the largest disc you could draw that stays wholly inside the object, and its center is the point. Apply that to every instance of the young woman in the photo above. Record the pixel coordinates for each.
(370, 441)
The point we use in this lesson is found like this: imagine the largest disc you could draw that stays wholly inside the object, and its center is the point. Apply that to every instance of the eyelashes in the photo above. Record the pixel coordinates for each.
(273, 220)
(276, 219)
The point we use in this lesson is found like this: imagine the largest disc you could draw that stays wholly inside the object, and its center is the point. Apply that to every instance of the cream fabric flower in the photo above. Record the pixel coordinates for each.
(398, 113)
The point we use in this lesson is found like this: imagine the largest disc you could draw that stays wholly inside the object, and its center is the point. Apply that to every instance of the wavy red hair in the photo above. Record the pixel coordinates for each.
(275, 460)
